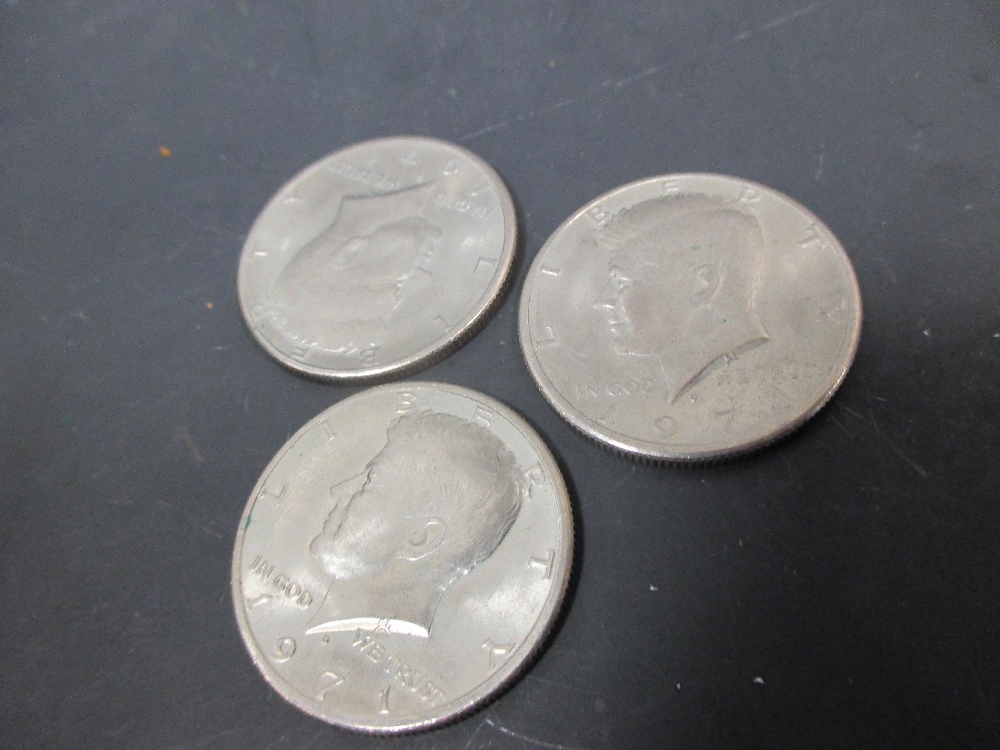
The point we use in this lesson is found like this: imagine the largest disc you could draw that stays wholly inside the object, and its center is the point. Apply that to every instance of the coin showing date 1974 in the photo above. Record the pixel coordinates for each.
(402, 557)
(690, 317)
(377, 260)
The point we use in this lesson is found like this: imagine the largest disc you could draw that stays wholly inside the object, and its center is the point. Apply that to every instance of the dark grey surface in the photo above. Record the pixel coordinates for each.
(837, 590)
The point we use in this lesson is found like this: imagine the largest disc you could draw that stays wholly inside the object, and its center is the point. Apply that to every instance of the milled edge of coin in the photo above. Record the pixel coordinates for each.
(454, 339)
(520, 659)
(607, 439)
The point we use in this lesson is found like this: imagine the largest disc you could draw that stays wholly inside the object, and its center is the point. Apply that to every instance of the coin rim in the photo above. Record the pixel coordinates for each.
(444, 345)
(621, 443)
(530, 644)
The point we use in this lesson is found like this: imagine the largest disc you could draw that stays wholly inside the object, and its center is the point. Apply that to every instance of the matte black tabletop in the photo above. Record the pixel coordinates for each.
(836, 590)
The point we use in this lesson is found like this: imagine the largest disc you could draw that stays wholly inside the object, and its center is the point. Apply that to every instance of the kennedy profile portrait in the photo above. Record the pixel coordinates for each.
(339, 289)
(682, 282)
(435, 502)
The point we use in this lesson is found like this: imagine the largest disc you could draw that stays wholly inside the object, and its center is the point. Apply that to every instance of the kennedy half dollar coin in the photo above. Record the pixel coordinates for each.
(690, 317)
(378, 260)
(402, 557)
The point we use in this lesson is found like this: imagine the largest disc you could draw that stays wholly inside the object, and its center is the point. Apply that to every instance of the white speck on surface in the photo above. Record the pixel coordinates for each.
(996, 335)
(927, 332)
(653, 588)
(678, 686)
(758, 680)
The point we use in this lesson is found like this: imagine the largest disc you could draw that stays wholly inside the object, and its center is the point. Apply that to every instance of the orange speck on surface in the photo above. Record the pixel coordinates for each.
(209, 305)
(164, 151)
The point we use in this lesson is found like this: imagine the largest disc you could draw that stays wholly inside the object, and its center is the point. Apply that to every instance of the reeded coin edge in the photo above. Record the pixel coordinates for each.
(444, 346)
(620, 445)
(520, 659)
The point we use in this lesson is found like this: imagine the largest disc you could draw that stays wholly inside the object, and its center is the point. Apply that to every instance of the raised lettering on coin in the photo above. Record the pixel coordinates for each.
(330, 434)
(748, 195)
(547, 337)
(486, 264)
(383, 700)
(274, 497)
(544, 563)
(535, 475)
(670, 187)
(666, 425)
(405, 402)
(329, 679)
(284, 649)
(496, 652)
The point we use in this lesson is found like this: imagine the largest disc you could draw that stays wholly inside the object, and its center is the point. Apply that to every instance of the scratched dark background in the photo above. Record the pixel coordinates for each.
(837, 590)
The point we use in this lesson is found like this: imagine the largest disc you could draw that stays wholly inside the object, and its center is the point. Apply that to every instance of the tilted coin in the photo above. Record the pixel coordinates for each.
(402, 557)
(690, 317)
(378, 259)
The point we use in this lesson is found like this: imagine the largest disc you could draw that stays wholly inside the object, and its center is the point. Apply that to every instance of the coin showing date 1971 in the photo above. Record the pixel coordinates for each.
(377, 260)
(402, 557)
(690, 317)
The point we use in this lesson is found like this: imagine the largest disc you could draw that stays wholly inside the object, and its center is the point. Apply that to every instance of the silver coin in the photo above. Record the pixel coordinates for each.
(377, 260)
(690, 317)
(402, 557)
